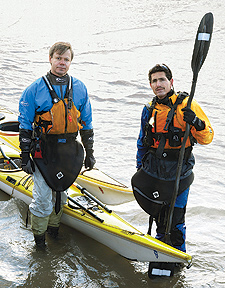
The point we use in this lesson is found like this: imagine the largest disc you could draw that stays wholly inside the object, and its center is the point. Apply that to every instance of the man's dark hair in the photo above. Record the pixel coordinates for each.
(61, 48)
(160, 68)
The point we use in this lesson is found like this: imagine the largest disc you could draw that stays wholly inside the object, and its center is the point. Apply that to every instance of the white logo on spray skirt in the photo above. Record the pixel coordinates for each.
(59, 175)
(155, 194)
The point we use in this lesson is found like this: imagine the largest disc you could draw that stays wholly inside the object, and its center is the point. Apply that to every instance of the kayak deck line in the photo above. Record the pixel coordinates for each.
(124, 188)
(107, 193)
(104, 177)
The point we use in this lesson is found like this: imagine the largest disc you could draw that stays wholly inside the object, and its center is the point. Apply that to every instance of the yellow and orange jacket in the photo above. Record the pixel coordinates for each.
(157, 123)
(59, 119)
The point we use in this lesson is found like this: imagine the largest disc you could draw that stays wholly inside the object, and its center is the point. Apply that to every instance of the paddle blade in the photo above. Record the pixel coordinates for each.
(202, 42)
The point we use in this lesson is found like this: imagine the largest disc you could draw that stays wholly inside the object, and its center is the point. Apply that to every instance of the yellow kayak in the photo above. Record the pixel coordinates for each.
(90, 217)
(101, 185)
(9, 128)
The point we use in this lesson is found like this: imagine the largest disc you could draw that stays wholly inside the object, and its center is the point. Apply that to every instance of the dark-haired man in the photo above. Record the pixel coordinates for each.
(52, 111)
(163, 124)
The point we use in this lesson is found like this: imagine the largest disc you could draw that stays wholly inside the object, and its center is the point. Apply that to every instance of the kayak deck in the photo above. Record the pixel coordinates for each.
(104, 187)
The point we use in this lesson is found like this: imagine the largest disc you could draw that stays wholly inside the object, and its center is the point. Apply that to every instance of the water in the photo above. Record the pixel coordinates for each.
(115, 44)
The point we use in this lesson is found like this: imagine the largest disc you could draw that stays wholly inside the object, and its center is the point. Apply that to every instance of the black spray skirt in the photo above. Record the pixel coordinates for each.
(152, 193)
(61, 161)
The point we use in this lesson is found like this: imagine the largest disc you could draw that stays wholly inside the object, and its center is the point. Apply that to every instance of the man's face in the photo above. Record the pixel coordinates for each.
(60, 64)
(160, 84)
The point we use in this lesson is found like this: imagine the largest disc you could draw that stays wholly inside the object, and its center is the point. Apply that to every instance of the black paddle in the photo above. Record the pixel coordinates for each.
(9, 159)
(85, 209)
(84, 191)
(201, 47)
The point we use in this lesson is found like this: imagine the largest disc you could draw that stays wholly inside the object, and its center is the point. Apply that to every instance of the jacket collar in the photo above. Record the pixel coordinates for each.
(166, 100)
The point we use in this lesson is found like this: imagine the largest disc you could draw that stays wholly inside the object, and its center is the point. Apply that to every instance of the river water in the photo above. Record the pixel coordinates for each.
(115, 44)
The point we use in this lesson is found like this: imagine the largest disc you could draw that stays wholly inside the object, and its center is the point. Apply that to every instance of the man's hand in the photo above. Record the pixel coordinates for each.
(189, 115)
(191, 118)
(89, 161)
(27, 163)
(87, 138)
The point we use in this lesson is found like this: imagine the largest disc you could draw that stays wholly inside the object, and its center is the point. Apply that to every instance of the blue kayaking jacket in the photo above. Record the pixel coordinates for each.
(36, 98)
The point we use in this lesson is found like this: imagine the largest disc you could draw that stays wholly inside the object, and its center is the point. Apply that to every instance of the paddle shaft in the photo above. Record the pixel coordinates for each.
(85, 209)
(84, 191)
(199, 54)
(179, 166)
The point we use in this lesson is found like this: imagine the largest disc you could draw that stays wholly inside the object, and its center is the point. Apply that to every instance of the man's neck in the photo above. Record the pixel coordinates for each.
(57, 80)
(165, 100)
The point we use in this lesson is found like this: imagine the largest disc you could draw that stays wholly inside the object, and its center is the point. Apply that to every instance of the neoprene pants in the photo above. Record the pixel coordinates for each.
(178, 229)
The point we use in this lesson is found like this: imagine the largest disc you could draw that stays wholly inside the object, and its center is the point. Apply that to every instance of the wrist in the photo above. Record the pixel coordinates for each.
(194, 120)
(89, 152)
(25, 152)
(87, 138)
(25, 157)
(199, 124)
(25, 139)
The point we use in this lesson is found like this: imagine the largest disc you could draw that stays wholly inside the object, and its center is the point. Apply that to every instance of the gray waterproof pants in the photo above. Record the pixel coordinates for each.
(43, 204)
